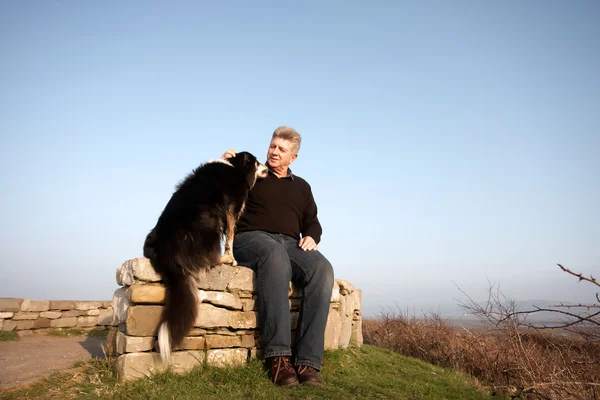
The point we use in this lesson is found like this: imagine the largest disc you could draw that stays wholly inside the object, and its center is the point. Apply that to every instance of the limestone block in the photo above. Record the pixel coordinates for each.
(72, 313)
(87, 305)
(223, 331)
(242, 280)
(223, 357)
(223, 299)
(335, 293)
(357, 336)
(9, 326)
(132, 366)
(243, 319)
(184, 361)
(120, 304)
(358, 301)
(345, 287)
(143, 320)
(106, 317)
(106, 304)
(248, 341)
(153, 293)
(220, 341)
(349, 305)
(88, 321)
(333, 330)
(346, 332)
(61, 305)
(69, 322)
(25, 315)
(41, 323)
(43, 331)
(137, 269)
(93, 313)
(216, 278)
(197, 332)
(26, 324)
(210, 316)
(28, 332)
(191, 343)
(6, 315)
(10, 304)
(50, 314)
(35, 305)
(133, 344)
(248, 304)
(1, 325)
(242, 294)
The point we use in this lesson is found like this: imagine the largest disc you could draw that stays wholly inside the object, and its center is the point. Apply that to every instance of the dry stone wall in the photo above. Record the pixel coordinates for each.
(28, 317)
(226, 330)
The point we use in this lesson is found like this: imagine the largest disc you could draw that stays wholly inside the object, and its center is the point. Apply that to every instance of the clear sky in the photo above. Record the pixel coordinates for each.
(447, 143)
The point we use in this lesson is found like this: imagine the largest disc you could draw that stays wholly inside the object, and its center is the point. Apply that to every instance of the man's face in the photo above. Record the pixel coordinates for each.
(280, 153)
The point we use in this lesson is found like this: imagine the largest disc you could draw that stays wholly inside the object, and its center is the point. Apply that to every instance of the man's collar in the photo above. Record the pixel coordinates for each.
(289, 172)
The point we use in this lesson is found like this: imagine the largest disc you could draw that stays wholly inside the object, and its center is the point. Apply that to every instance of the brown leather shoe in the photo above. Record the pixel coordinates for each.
(309, 375)
(282, 372)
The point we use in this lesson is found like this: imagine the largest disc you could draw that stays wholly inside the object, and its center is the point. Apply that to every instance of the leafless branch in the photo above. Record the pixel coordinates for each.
(581, 277)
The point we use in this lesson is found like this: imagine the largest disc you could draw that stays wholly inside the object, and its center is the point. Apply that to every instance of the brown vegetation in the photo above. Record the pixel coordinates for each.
(505, 352)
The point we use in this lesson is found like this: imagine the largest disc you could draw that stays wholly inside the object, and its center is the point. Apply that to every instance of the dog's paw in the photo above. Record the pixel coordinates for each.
(228, 259)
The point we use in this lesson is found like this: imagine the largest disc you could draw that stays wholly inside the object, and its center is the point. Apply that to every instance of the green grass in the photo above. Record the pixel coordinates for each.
(358, 373)
(99, 332)
(6, 336)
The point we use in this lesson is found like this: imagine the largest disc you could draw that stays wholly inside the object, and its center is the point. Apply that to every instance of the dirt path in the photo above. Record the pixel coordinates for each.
(34, 357)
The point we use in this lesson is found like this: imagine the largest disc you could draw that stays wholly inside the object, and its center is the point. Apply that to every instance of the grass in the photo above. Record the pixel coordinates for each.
(360, 373)
(6, 336)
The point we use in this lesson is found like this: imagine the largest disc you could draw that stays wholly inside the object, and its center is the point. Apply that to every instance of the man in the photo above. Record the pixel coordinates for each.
(278, 236)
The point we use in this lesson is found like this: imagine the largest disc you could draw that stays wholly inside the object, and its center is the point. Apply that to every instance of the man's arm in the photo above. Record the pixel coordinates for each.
(311, 227)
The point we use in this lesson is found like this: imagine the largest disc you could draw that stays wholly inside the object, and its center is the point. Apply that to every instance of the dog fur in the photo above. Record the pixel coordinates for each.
(186, 240)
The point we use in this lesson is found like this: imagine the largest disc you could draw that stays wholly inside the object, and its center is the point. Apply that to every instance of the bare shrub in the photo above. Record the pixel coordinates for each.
(506, 351)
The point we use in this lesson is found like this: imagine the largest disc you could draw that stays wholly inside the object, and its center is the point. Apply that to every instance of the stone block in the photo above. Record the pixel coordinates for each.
(349, 305)
(27, 332)
(222, 299)
(133, 366)
(143, 320)
(94, 312)
(106, 304)
(133, 344)
(335, 293)
(87, 305)
(83, 322)
(210, 316)
(257, 354)
(9, 325)
(333, 330)
(106, 317)
(191, 343)
(35, 305)
(357, 335)
(248, 305)
(69, 322)
(120, 304)
(219, 341)
(216, 278)
(345, 287)
(6, 315)
(25, 315)
(61, 305)
(50, 314)
(146, 293)
(243, 280)
(41, 323)
(136, 270)
(224, 357)
(1, 325)
(25, 324)
(248, 341)
(243, 319)
(10, 304)
(72, 313)
(346, 332)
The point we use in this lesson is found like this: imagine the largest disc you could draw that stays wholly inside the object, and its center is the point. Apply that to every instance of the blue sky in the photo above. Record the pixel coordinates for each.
(447, 143)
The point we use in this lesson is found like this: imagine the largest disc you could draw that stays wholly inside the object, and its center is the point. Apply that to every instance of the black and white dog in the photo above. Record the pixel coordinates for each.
(187, 237)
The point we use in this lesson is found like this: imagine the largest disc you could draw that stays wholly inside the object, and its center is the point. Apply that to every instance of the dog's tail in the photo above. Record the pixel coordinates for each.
(179, 313)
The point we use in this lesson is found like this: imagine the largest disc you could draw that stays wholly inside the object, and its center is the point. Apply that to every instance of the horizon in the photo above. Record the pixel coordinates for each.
(448, 147)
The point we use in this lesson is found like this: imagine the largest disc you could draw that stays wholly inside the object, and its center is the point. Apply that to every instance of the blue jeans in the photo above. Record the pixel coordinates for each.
(276, 260)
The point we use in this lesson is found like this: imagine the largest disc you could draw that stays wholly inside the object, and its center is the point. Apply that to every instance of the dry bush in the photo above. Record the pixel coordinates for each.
(506, 352)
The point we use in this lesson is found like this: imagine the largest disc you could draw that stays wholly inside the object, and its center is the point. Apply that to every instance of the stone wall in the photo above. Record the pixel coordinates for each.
(28, 317)
(226, 330)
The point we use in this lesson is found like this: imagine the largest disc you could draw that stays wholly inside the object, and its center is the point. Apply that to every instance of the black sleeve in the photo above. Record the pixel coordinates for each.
(310, 222)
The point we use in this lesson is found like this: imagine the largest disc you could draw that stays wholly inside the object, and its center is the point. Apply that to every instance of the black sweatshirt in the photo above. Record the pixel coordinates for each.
(281, 205)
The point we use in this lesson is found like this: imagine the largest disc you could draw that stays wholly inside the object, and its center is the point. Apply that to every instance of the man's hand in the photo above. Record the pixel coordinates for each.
(228, 154)
(307, 243)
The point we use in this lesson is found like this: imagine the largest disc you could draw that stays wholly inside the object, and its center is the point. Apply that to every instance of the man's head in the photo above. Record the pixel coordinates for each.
(284, 147)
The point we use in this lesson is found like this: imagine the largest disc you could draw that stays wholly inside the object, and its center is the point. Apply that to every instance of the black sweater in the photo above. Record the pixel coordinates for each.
(281, 205)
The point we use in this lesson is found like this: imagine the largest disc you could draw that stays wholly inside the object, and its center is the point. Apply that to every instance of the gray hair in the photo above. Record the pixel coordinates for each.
(287, 133)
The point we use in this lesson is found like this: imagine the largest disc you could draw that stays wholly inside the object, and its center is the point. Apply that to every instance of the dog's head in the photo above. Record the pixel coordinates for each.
(249, 166)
